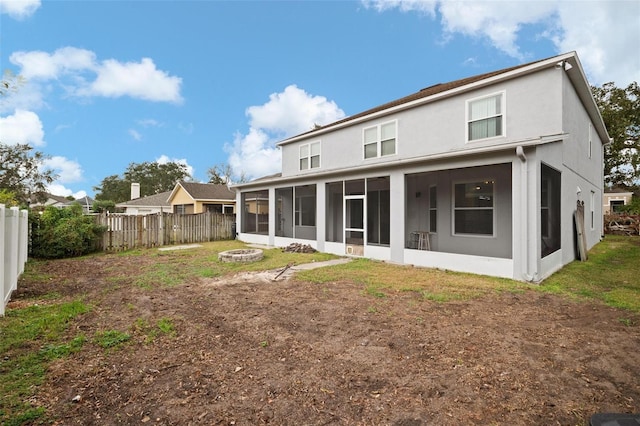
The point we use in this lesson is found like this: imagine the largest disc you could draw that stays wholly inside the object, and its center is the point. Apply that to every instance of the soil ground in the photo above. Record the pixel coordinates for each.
(247, 350)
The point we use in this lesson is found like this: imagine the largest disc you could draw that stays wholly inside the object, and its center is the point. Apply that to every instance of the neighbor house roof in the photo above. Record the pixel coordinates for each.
(205, 191)
(157, 200)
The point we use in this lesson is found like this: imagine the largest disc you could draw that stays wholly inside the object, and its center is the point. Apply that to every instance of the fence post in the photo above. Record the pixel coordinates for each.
(4, 239)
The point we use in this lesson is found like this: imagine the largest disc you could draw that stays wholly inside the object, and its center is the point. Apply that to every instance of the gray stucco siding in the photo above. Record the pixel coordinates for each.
(533, 107)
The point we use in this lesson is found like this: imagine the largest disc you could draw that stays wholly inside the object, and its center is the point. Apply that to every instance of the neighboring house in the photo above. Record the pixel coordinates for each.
(477, 175)
(152, 204)
(52, 200)
(62, 202)
(612, 201)
(191, 197)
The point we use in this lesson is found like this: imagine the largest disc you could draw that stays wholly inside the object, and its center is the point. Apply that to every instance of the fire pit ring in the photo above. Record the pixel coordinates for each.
(241, 255)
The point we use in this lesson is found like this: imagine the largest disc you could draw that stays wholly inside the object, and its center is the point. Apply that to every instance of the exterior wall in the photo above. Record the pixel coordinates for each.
(583, 157)
(533, 106)
(544, 118)
(624, 197)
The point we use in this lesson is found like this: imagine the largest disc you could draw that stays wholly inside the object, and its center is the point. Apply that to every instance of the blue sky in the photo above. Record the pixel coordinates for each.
(108, 83)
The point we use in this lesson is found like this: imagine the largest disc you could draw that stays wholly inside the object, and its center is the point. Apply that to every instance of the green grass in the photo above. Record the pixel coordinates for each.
(30, 338)
(379, 279)
(111, 338)
(611, 274)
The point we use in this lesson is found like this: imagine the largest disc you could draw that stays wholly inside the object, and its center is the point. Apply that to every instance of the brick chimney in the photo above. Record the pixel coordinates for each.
(135, 190)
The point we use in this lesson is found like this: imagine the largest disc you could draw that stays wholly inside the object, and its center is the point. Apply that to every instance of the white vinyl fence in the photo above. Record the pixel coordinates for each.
(14, 238)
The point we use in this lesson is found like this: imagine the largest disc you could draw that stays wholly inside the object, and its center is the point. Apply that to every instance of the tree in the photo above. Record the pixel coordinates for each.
(620, 110)
(220, 174)
(152, 177)
(22, 172)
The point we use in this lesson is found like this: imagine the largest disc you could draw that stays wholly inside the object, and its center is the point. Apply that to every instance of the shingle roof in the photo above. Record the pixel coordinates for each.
(208, 191)
(157, 200)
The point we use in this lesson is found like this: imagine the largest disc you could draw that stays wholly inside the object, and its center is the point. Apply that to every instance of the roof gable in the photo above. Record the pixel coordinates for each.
(204, 191)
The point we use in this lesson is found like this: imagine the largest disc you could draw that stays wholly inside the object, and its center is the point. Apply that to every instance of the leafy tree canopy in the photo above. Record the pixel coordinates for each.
(153, 178)
(22, 173)
(620, 110)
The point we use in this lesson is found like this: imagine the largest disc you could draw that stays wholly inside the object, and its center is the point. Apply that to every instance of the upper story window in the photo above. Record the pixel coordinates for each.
(380, 140)
(485, 117)
(310, 156)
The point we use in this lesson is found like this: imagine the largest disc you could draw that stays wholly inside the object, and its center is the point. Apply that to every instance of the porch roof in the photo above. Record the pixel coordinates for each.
(461, 153)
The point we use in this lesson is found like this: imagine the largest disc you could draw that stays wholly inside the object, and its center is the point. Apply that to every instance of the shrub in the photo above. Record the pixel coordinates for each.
(66, 232)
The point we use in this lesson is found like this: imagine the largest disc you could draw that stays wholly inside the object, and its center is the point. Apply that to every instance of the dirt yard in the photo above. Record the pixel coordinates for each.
(247, 350)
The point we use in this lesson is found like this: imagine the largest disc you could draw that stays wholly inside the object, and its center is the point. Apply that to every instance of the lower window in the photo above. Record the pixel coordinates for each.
(474, 208)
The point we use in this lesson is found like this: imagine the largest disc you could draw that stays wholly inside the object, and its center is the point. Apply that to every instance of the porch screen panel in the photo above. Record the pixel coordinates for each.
(549, 210)
(378, 211)
(333, 214)
(255, 212)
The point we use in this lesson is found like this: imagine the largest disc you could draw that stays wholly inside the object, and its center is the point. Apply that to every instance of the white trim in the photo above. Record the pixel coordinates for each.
(483, 265)
(379, 140)
(503, 114)
(309, 155)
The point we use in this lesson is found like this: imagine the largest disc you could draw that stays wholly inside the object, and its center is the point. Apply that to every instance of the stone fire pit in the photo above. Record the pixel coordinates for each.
(241, 255)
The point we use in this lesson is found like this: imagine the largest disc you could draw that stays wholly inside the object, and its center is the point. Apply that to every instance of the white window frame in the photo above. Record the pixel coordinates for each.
(590, 140)
(378, 141)
(308, 155)
(433, 209)
(502, 114)
(493, 208)
(592, 210)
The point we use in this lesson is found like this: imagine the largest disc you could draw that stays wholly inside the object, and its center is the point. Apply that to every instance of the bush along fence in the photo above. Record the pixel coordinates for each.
(125, 232)
(14, 235)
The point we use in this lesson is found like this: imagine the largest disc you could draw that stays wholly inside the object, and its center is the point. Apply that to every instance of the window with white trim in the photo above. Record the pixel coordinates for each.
(473, 208)
(310, 156)
(592, 209)
(485, 117)
(380, 140)
(433, 208)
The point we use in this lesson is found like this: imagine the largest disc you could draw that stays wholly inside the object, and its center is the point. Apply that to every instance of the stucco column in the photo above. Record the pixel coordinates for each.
(397, 213)
(321, 214)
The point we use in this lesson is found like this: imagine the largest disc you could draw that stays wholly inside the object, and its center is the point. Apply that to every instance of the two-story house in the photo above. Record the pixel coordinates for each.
(478, 175)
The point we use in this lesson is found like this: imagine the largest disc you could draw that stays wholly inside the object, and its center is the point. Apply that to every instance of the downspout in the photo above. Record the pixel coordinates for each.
(524, 204)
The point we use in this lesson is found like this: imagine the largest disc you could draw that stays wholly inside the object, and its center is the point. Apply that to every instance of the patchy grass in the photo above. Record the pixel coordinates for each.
(609, 275)
(29, 339)
(380, 278)
(111, 338)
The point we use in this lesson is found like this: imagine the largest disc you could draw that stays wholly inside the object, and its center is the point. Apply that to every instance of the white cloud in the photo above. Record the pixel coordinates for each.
(62, 191)
(164, 159)
(136, 79)
(135, 134)
(605, 34)
(286, 114)
(80, 73)
(68, 171)
(42, 65)
(19, 9)
(20, 128)
(149, 122)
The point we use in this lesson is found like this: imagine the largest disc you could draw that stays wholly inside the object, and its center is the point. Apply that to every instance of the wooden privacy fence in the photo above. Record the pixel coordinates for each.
(125, 232)
(14, 240)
